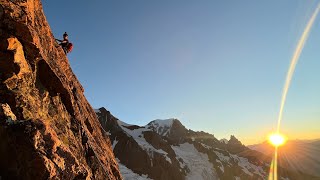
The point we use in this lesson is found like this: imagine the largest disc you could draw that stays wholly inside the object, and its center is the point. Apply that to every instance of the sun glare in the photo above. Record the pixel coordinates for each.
(277, 139)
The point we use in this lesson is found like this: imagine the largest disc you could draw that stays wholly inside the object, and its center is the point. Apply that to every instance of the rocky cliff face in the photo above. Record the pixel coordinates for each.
(165, 149)
(48, 130)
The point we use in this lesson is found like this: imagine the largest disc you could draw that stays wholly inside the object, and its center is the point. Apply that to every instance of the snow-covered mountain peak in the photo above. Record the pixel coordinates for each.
(161, 127)
(224, 140)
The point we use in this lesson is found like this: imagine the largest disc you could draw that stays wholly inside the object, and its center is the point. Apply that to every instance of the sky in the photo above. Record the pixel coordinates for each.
(217, 66)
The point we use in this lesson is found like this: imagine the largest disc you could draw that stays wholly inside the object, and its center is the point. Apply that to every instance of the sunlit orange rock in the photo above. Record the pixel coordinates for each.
(48, 130)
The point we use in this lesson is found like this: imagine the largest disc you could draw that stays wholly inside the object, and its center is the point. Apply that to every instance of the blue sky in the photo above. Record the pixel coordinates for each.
(218, 66)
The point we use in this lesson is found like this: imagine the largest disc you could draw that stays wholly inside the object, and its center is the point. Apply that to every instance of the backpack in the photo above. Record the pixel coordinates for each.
(69, 47)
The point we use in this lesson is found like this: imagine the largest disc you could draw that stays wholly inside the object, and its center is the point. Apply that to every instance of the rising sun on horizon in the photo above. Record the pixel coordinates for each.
(277, 139)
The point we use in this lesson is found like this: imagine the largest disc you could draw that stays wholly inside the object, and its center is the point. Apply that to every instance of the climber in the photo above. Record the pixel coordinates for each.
(65, 44)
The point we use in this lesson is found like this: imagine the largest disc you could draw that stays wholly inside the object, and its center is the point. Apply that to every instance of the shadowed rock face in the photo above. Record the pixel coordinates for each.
(48, 130)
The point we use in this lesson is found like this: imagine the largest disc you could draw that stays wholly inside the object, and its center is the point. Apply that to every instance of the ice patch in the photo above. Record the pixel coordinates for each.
(198, 163)
(205, 146)
(224, 141)
(222, 157)
(161, 127)
(128, 174)
(247, 167)
(221, 165)
(137, 135)
(115, 142)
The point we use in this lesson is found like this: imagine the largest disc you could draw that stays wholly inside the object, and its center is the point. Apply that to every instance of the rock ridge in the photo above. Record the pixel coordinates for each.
(48, 130)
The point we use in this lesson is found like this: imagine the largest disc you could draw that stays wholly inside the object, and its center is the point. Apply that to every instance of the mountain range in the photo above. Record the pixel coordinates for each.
(297, 155)
(166, 149)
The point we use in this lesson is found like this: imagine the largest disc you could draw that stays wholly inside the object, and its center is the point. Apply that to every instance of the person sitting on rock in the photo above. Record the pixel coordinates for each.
(64, 43)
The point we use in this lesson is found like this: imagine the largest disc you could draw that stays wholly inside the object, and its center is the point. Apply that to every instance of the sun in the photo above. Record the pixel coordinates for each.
(277, 139)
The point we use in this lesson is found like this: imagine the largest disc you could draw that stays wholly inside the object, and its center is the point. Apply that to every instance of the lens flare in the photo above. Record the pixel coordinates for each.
(294, 61)
(273, 173)
(277, 139)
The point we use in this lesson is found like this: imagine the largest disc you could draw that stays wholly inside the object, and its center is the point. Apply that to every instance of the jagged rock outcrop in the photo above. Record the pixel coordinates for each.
(234, 145)
(48, 130)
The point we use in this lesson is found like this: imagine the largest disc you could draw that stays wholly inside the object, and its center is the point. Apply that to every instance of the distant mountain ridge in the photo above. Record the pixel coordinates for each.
(165, 149)
(303, 155)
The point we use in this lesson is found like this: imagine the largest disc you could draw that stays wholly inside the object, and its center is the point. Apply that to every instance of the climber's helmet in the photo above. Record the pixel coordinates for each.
(65, 35)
